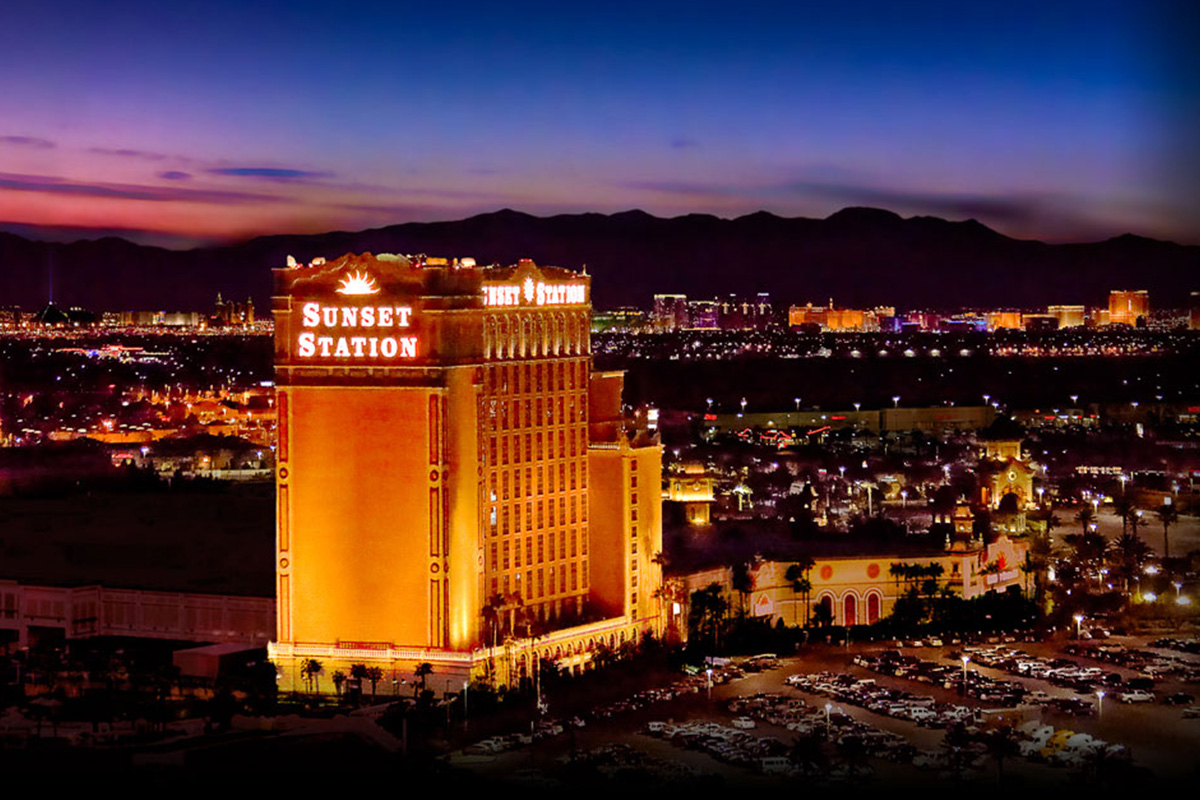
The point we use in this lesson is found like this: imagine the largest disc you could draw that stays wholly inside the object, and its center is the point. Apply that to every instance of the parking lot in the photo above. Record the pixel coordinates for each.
(724, 733)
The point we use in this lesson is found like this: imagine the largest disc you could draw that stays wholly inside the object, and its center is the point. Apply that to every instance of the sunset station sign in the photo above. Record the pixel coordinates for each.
(537, 293)
(355, 332)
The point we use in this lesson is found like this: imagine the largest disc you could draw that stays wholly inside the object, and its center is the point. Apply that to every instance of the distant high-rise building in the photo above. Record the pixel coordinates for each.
(1067, 316)
(670, 312)
(704, 315)
(1126, 307)
(1194, 312)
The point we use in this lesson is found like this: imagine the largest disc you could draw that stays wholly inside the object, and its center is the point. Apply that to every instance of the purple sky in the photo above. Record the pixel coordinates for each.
(188, 122)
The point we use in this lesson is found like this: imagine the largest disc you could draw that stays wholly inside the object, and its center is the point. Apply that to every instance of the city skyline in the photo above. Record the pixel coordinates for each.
(181, 127)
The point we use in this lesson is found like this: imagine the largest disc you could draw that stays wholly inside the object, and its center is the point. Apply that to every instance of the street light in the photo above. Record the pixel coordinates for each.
(1078, 625)
(828, 708)
(857, 406)
(965, 660)
(743, 405)
(1178, 585)
(1099, 703)
(987, 398)
(797, 403)
(896, 401)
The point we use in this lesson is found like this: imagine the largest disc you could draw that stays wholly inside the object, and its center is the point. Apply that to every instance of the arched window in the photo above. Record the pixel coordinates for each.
(872, 608)
(849, 610)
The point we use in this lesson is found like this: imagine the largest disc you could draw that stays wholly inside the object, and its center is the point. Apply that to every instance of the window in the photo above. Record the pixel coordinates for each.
(562, 544)
(504, 484)
(574, 576)
(574, 541)
(529, 481)
(504, 521)
(505, 552)
(528, 549)
(528, 515)
(494, 561)
(541, 547)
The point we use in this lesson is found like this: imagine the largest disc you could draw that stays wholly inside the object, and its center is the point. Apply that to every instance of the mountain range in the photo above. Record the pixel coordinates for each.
(857, 257)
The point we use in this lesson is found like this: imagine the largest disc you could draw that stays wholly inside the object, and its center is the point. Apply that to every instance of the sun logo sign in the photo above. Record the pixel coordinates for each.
(356, 283)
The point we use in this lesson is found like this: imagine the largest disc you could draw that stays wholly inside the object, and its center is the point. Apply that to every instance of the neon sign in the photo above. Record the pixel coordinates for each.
(309, 344)
(541, 294)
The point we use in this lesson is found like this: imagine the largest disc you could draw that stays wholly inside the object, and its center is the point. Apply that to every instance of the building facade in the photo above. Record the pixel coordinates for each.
(433, 469)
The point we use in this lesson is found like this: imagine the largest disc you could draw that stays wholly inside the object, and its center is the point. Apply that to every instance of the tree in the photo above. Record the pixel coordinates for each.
(793, 576)
(374, 675)
(310, 670)
(1128, 553)
(743, 584)
(339, 678)
(424, 669)
(1168, 515)
(1001, 743)
(1084, 517)
(706, 613)
(359, 673)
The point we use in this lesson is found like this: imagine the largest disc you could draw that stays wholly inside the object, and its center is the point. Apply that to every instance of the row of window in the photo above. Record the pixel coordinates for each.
(537, 412)
(536, 377)
(513, 548)
(525, 334)
(544, 581)
(542, 513)
(539, 446)
(567, 474)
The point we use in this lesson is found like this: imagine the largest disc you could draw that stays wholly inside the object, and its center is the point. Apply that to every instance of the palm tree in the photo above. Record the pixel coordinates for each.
(743, 584)
(793, 576)
(1168, 515)
(1084, 517)
(339, 678)
(1128, 552)
(374, 675)
(423, 670)
(1123, 507)
(359, 673)
(1001, 744)
(310, 670)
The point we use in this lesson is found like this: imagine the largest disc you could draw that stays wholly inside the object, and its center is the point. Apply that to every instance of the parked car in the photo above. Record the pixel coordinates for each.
(1136, 696)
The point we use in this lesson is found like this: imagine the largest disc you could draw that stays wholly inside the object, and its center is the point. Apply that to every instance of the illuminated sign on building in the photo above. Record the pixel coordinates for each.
(372, 318)
(535, 293)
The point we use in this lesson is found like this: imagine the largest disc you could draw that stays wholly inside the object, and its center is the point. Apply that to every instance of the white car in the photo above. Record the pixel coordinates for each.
(1136, 697)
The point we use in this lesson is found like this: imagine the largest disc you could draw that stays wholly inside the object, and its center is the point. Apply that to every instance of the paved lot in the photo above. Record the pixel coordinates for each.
(1157, 735)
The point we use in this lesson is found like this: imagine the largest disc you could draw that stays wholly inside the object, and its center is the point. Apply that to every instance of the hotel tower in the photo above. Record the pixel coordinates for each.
(454, 483)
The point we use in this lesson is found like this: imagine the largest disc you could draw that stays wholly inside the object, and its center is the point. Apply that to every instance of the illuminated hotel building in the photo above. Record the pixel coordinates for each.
(1126, 307)
(435, 467)
(1068, 316)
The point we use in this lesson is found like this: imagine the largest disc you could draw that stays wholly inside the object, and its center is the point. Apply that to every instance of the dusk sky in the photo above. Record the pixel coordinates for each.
(219, 120)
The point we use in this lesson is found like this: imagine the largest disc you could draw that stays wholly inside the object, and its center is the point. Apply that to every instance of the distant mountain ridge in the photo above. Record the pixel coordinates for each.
(857, 256)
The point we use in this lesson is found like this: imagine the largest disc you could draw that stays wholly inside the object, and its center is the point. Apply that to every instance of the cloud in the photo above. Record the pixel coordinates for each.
(683, 143)
(28, 141)
(124, 152)
(270, 173)
(175, 175)
(122, 191)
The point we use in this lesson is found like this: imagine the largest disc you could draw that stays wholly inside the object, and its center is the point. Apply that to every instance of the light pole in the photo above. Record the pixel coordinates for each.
(797, 403)
(1099, 703)
(896, 401)
(857, 406)
(828, 708)
(708, 672)
(743, 405)
(1178, 586)
(987, 398)
(965, 660)
(1078, 625)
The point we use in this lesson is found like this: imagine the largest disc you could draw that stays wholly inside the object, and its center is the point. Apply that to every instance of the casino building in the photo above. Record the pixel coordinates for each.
(454, 483)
